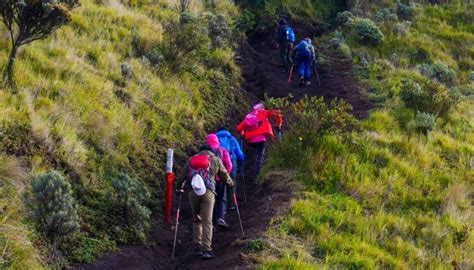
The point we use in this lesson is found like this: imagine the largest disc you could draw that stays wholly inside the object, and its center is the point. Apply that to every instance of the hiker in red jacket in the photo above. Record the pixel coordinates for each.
(256, 128)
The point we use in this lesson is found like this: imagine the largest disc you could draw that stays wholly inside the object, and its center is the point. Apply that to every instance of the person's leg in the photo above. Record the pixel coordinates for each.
(307, 70)
(195, 203)
(231, 191)
(220, 202)
(259, 151)
(207, 207)
(283, 55)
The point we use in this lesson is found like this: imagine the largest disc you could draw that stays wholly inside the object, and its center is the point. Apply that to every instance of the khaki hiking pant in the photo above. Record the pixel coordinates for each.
(202, 208)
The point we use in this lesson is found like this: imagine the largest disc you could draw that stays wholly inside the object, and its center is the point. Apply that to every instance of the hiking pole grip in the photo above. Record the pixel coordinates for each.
(176, 228)
(291, 73)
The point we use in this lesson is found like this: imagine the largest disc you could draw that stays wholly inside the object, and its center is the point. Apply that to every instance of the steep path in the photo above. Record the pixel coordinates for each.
(263, 75)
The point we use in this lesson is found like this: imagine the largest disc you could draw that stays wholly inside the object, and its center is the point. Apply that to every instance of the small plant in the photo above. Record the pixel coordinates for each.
(345, 18)
(425, 122)
(132, 197)
(385, 15)
(257, 245)
(52, 207)
(404, 12)
(471, 76)
(366, 32)
(426, 96)
(401, 29)
(219, 31)
(439, 72)
(27, 21)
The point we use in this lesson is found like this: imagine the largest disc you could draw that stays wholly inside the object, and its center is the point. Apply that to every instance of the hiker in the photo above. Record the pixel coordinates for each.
(304, 55)
(202, 170)
(221, 199)
(285, 40)
(237, 157)
(255, 128)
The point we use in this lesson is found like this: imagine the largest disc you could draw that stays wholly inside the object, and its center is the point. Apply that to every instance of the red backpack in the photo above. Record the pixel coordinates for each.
(199, 170)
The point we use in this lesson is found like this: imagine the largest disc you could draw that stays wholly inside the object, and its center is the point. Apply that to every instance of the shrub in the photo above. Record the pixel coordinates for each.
(385, 15)
(439, 72)
(427, 97)
(425, 122)
(131, 196)
(52, 207)
(246, 21)
(345, 18)
(345, 50)
(366, 32)
(219, 31)
(420, 54)
(471, 76)
(404, 12)
(401, 29)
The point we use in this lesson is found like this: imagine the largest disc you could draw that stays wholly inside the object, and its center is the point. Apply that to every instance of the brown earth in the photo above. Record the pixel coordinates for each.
(263, 74)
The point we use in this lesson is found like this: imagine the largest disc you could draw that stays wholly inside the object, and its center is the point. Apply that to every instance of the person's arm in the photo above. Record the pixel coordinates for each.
(276, 114)
(226, 160)
(241, 127)
(223, 173)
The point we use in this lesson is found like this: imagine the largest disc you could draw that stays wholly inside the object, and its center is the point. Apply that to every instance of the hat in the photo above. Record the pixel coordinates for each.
(307, 40)
(259, 106)
(212, 140)
(283, 21)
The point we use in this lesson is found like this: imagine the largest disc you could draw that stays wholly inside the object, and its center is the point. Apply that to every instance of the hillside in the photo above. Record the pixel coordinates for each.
(101, 99)
(393, 191)
(374, 169)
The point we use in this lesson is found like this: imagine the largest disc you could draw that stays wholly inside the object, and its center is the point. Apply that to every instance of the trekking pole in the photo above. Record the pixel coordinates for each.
(238, 214)
(176, 228)
(243, 171)
(291, 74)
(317, 75)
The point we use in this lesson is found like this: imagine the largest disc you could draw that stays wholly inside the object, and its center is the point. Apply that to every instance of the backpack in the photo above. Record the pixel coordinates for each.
(199, 175)
(286, 33)
(304, 50)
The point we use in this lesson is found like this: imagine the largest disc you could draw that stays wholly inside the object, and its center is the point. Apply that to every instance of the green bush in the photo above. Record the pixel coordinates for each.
(425, 122)
(366, 32)
(345, 18)
(471, 76)
(52, 207)
(401, 29)
(219, 32)
(385, 15)
(426, 96)
(439, 72)
(404, 12)
(131, 196)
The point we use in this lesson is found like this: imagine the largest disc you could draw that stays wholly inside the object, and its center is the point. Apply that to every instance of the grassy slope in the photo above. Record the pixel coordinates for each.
(387, 196)
(76, 113)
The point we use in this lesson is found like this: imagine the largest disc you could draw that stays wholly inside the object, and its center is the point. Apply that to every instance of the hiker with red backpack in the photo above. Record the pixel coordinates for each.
(256, 128)
(221, 200)
(202, 171)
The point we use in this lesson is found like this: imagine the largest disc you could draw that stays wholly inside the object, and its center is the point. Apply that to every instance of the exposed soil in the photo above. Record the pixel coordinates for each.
(263, 74)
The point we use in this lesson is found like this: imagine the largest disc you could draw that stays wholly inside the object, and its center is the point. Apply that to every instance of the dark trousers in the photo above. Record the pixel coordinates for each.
(221, 202)
(259, 152)
(285, 49)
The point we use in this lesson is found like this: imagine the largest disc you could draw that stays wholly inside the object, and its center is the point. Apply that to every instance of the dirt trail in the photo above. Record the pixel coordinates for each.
(263, 74)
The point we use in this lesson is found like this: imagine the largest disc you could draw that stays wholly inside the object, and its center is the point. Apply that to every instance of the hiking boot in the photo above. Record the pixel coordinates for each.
(308, 83)
(198, 251)
(301, 81)
(207, 255)
(221, 222)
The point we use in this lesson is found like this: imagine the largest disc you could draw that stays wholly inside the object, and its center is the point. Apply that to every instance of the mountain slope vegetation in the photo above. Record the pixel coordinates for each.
(393, 191)
(100, 102)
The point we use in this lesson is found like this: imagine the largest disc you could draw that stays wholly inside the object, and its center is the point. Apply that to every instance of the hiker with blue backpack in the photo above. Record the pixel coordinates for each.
(237, 157)
(202, 171)
(285, 40)
(221, 200)
(304, 55)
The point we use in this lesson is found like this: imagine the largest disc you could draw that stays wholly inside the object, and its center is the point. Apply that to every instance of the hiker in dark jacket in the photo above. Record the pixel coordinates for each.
(202, 195)
(285, 40)
(237, 157)
(304, 55)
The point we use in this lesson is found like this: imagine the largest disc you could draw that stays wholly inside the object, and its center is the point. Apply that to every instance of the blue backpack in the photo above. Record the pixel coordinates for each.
(286, 33)
(304, 50)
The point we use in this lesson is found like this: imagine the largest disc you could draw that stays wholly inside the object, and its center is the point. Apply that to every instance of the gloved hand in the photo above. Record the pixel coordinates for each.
(179, 191)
